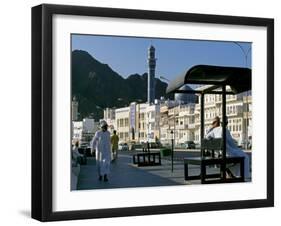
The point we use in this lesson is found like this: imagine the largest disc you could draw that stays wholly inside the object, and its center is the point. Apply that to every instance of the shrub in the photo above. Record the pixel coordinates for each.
(165, 152)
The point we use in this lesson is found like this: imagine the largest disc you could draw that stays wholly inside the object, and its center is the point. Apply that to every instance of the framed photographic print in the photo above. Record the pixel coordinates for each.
(145, 112)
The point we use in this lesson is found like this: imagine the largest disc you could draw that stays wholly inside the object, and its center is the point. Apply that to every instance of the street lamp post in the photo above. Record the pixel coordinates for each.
(172, 148)
(245, 53)
(173, 134)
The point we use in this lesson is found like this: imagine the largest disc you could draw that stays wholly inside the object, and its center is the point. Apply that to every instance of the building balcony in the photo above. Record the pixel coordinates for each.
(186, 126)
(181, 126)
(210, 104)
(191, 126)
(247, 99)
(234, 114)
(247, 114)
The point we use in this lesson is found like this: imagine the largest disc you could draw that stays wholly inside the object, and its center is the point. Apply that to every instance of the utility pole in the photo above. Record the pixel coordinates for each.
(245, 53)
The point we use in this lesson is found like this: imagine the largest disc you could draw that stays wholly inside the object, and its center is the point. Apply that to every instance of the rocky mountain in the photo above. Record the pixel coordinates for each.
(97, 86)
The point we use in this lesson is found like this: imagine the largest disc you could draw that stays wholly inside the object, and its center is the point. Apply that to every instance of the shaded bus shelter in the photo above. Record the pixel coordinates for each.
(216, 79)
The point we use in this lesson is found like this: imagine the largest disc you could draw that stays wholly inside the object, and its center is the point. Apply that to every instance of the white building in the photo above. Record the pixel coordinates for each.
(153, 122)
(135, 123)
(238, 111)
(185, 124)
(122, 123)
(141, 123)
(177, 122)
(83, 131)
(165, 120)
(164, 125)
(109, 117)
(77, 128)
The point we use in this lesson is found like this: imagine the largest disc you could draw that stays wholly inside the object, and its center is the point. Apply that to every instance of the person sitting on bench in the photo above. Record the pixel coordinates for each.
(231, 147)
(79, 158)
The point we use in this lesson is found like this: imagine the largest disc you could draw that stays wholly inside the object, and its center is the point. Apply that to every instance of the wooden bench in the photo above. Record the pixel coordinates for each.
(211, 147)
(204, 162)
(213, 160)
(151, 158)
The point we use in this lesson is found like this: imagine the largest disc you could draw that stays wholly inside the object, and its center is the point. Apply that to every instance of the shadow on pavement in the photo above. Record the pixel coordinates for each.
(124, 174)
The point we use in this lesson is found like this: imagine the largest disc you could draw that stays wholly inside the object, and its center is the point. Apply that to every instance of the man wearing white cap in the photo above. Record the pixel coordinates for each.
(101, 144)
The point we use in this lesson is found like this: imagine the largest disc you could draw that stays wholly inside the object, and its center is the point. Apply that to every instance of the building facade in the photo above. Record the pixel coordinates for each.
(122, 116)
(141, 123)
(83, 131)
(166, 119)
(153, 122)
(109, 117)
(238, 111)
(185, 124)
(136, 123)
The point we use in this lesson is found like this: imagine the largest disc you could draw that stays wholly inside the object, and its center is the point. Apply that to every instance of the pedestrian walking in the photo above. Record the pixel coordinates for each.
(101, 145)
(114, 145)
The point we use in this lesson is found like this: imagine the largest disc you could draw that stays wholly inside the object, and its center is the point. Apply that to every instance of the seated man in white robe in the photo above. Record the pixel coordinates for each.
(231, 147)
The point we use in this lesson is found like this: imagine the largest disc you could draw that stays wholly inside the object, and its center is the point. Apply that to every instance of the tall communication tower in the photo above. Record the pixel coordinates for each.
(151, 75)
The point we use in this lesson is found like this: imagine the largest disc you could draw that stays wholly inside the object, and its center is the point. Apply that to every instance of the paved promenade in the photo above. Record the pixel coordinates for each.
(125, 174)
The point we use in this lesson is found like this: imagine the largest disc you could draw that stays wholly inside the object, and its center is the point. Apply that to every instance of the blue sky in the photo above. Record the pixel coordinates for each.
(127, 55)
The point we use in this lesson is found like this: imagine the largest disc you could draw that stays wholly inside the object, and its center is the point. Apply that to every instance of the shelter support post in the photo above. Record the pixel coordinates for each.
(202, 129)
(223, 168)
(172, 156)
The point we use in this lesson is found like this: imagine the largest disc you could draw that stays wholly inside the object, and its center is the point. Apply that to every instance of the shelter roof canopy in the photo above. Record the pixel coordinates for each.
(239, 79)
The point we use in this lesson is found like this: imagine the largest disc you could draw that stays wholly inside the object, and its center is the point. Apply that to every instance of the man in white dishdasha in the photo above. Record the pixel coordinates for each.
(101, 144)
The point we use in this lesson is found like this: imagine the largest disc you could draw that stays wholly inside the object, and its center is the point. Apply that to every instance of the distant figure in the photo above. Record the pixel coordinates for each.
(231, 148)
(114, 145)
(157, 141)
(75, 153)
(101, 144)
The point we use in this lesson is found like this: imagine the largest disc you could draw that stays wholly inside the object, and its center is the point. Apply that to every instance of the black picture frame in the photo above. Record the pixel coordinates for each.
(42, 111)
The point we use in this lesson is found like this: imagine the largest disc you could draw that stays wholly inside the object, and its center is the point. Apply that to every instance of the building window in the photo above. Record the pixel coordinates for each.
(126, 122)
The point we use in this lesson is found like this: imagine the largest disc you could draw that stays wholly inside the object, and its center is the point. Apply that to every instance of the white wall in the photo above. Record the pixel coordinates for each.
(15, 91)
(89, 125)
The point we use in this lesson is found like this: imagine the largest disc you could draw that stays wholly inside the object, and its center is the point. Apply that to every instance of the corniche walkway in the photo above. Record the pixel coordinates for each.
(124, 174)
